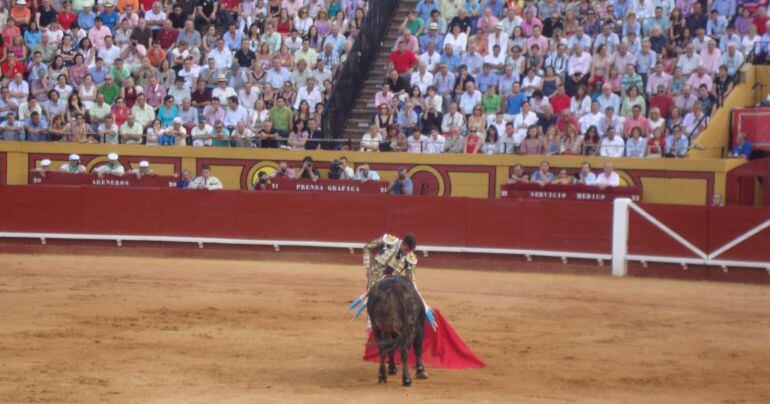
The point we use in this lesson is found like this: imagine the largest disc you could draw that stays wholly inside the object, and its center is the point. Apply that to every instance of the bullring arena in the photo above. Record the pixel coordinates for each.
(580, 188)
(118, 329)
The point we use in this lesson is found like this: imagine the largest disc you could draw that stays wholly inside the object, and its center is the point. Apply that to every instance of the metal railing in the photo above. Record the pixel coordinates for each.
(758, 54)
(351, 76)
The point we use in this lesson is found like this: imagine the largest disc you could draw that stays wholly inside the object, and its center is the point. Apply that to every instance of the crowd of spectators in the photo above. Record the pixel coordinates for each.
(227, 73)
(614, 78)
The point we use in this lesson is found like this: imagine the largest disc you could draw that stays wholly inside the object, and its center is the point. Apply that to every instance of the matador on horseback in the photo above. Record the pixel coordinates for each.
(393, 257)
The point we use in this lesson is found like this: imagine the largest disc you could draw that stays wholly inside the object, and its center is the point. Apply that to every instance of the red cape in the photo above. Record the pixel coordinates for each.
(442, 348)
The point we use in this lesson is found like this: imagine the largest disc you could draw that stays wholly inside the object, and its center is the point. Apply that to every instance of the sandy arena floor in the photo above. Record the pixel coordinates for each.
(96, 329)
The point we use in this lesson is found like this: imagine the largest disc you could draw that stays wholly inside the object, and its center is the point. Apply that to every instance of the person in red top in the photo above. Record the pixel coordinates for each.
(560, 100)
(760, 20)
(10, 31)
(67, 17)
(566, 119)
(662, 101)
(403, 60)
(230, 5)
(11, 66)
(166, 36)
(145, 5)
(636, 120)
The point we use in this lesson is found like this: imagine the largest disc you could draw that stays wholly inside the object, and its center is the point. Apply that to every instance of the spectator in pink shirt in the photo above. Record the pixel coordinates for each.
(383, 96)
(487, 22)
(412, 45)
(710, 57)
(636, 120)
(530, 22)
(700, 78)
(538, 39)
(98, 32)
(154, 92)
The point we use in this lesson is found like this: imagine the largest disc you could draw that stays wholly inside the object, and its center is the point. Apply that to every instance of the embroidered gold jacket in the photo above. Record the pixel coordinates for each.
(387, 248)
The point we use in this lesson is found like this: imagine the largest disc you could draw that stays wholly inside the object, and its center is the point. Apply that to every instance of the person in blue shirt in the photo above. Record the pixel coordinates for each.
(109, 17)
(432, 37)
(36, 127)
(86, 18)
(450, 58)
(184, 179)
(98, 72)
(425, 7)
(543, 176)
(233, 38)
(724, 7)
(486, 78)
(742, 148)
(402, 185)
(621, 8)
(32, 36)
(496, 6)
(515, 99)
(676, 143)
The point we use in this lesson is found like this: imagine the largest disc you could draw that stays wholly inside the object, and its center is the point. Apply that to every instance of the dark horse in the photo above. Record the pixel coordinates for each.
(398, 322)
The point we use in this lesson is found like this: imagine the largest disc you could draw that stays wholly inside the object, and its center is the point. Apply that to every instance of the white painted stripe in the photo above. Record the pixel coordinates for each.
(668, 231)
(739, 239)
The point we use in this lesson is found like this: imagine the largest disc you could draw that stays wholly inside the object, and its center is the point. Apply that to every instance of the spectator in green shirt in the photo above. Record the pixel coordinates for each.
(220, 136)
(414, 23)
(490, 101)
(631, 78)
(47, 49)
(109, 90)
(281, 116)
(119, 72)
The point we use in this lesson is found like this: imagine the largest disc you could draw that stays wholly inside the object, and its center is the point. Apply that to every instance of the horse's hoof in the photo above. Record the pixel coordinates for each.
(393, 370)
(382, 380)
(421, 375)
(407, 382)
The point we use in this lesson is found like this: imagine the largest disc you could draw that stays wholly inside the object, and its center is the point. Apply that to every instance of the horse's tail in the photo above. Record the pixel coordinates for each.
(390, 344)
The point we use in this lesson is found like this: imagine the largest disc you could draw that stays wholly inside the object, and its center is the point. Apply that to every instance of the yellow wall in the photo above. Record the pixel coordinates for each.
(663, 180)
(761, 76)
(717, 134)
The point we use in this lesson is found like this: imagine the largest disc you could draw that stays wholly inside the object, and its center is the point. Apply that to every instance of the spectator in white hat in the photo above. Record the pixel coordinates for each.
(113, 167)
(431, 37)
(497, 37)
(45, 167)
(176, 134)
(73, 166)
(144, 169)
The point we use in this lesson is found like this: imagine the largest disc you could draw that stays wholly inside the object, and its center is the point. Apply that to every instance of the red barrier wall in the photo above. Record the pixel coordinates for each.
(542, 225)
(502, 223)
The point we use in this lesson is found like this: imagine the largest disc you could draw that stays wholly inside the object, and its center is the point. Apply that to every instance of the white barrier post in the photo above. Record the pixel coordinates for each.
(620, 236)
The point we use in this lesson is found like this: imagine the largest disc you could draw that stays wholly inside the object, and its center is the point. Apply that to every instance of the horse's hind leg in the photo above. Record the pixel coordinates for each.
(419, 372)
(381, 376)
(407, 381)
(392, 368)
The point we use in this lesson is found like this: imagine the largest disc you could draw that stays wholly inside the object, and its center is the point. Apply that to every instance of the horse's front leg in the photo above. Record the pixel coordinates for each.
(392, 368)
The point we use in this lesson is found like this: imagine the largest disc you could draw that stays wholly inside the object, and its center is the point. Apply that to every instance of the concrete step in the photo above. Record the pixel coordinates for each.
(362, 112)
(359, 122)
(353, 133)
